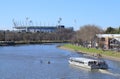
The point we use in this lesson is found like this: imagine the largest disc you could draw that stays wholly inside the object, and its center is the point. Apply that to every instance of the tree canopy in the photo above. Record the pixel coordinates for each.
(111, 30)
(88, 32)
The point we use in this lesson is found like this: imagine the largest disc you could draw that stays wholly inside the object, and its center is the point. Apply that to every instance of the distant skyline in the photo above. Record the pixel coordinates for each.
(75, 13)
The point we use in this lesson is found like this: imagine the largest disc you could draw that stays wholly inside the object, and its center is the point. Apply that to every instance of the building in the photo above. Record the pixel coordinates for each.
(108, 41)
(115, 43)
(40, 28)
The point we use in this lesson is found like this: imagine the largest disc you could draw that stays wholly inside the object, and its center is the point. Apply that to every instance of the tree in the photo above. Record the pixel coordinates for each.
(110, 30)
(2, 35)
(61, 34)
(88, 32)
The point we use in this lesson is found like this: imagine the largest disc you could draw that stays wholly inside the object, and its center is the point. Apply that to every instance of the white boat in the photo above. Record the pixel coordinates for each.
(88, 63)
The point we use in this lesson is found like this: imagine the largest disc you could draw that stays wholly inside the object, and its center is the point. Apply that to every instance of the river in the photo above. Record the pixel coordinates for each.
(46, 61)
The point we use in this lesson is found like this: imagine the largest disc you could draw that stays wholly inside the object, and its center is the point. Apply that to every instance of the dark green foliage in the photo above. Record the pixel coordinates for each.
(111, 30)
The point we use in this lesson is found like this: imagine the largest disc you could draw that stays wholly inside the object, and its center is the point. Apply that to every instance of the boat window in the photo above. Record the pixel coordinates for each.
(91, 62)
(81, 62)
(78, 61)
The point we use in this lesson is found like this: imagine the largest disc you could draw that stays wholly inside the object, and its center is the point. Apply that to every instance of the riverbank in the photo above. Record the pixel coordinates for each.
(93, 51)
(10, 43)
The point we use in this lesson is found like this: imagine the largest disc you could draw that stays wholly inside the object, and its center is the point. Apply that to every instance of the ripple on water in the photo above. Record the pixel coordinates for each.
(31, 62)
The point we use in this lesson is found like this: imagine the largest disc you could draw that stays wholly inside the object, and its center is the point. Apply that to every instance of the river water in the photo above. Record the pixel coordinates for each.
(48, 62)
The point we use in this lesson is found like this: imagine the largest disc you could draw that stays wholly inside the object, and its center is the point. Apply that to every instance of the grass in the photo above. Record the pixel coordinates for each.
(92, 50)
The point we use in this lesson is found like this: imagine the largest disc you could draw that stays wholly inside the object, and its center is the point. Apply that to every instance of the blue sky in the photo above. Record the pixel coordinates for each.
(103, 13)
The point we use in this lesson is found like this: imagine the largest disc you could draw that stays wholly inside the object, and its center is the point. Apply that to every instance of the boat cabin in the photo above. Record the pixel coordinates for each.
(89, 63)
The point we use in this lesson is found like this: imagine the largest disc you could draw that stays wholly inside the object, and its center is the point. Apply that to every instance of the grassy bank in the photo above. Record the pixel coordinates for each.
(105, 53)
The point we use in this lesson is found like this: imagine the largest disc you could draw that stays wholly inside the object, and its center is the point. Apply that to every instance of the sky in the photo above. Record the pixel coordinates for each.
(74, 13)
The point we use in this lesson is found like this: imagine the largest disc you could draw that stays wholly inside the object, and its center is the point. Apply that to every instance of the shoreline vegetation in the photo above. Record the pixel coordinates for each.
(112, 55)
(12, 43)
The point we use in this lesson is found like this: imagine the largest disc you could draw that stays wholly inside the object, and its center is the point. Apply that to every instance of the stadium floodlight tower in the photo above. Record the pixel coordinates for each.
(28, 22)
(59, 21)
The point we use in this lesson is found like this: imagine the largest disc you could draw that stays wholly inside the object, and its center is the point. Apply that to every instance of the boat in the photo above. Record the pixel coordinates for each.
(88, 63)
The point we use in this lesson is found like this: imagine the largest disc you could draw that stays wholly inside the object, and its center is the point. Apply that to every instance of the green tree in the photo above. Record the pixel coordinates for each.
(110, 30)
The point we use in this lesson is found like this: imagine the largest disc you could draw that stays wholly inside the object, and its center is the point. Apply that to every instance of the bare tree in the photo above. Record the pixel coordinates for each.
(2, 35)
(88, 32)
